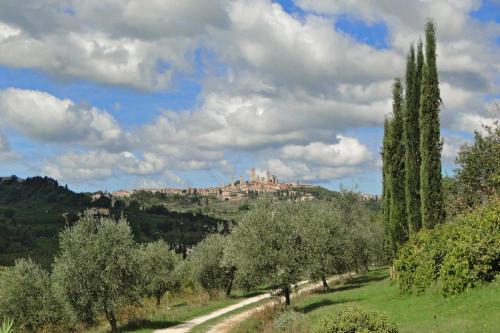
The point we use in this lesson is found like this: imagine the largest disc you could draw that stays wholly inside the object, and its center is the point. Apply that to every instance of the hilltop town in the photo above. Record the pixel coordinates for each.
(234, 190)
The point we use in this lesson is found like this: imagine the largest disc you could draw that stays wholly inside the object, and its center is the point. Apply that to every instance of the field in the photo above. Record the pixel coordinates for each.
(476, 310)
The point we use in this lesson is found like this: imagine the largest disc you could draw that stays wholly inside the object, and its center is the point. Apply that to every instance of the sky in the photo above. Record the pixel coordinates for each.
(112, 94)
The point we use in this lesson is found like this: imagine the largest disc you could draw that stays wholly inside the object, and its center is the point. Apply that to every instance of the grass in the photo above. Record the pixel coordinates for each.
(173, 311)
(475, 310)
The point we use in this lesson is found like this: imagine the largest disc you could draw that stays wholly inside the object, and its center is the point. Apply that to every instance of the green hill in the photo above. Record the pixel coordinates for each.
(34, 210)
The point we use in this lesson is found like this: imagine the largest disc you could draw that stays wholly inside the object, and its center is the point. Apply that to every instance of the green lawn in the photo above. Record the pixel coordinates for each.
(477, 310)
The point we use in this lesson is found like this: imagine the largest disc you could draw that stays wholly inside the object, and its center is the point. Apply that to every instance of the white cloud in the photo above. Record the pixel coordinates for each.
(451, 147)
(82, 166)
(348, 151)
(6, 152)
(41, 116)
(136, 43)
(301, 172)
(289, 84)
(319, 161)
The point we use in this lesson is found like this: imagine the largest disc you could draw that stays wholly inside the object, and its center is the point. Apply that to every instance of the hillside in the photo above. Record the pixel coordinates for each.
(33, 211)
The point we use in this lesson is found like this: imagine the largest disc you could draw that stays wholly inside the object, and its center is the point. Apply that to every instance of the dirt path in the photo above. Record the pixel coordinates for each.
(225, 325)
(186, 326)
(228, 323)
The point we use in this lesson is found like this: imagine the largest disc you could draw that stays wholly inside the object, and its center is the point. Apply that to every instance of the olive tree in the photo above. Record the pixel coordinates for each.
(26, 295)
(326, 240)
(97, 268)
(268, 245)
(157, 266)
(210, 267)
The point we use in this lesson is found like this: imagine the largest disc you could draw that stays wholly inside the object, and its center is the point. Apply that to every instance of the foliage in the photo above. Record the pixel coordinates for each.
(354, 320)
(210, 267)
(412, 138)
(386, 188)
(326, 241)
(96, 269)
(394, 174)
(398, 222)
(157, 266)
(290, 321)
(26, 295)
(455, 256)
(269, 246)
(430, 138)
(478, 176)
(473, 250)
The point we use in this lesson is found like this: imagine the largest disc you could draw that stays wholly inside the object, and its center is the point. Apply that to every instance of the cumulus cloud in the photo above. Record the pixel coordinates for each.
(134, 43)
(82, 166)
(41, 116)
(289, 84)
(6, 152)
(319, 161)
(348, 151)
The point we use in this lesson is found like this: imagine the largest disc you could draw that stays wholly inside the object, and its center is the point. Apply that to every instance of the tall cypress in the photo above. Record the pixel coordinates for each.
(386, 186)
(418, 74)
(398, 221)
(431, 192)
(412, 144)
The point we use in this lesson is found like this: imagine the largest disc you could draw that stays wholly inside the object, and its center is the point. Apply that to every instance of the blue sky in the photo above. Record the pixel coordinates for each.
(143, 99)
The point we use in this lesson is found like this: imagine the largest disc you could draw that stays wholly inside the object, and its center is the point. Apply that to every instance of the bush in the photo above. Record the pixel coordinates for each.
(290, 321)
(473, 251)
(26, 295)
(356, 321)
(452, 257)
(419, 261)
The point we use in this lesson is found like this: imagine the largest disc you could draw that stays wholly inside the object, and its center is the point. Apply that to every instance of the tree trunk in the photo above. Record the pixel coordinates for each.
(184, 251)
(286, 291)
(325, 284)
(158, 299)
(110, 316)
(230, 283)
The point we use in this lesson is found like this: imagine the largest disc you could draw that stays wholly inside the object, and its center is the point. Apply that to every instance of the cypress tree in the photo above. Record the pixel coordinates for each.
(386, 186)
(398, 220)
(431, 193)
(418, 74)
(412, 144)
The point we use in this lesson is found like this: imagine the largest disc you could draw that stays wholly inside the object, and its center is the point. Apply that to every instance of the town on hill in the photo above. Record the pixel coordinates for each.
(235, 190)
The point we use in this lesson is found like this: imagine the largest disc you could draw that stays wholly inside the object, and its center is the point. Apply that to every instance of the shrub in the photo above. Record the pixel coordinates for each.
(453, 257)
(419, 261)
(473, 251)
(26, 295)
(290, 321)
(356, 321)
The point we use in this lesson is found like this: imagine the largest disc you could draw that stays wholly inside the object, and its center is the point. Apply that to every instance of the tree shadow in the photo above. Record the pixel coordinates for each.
(249, 294)
(321, 303)
(149, 324)
(358, 281)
